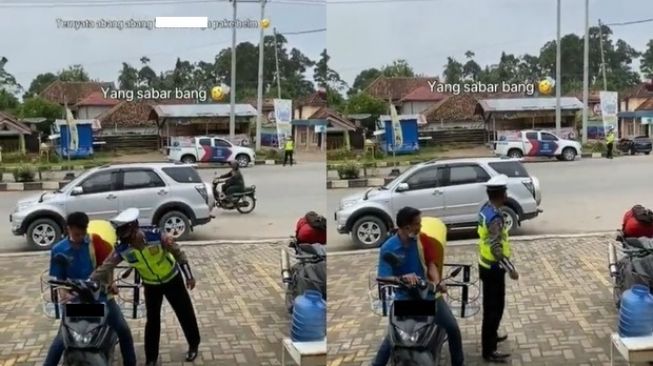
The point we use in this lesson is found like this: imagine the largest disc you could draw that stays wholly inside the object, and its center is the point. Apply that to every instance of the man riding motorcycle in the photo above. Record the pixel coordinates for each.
(83, 254)
(234, 180)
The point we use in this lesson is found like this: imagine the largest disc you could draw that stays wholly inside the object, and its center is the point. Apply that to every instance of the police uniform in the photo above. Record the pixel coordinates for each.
(159, 268)
(609, 142)
(494, 261)
(289, 149)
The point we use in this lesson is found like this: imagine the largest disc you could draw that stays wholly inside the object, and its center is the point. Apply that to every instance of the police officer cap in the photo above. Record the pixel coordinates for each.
(497, 183)
(127, 216)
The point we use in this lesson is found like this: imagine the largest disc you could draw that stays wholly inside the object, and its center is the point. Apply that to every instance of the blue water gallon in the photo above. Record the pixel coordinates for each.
(309, 317)
(636, 312)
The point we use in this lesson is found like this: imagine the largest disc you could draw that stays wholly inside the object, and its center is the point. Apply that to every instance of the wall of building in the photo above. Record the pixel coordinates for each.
(305, 112)
(631, 104)
(90, 112)
(414, 107)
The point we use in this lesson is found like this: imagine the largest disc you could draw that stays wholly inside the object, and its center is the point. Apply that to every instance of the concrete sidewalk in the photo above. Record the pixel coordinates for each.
(238, 300)
(560, 312)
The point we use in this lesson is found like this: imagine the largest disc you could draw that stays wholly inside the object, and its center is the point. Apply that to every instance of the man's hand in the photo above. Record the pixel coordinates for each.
(514, 275)
(411, 278)
(167, 240)
(113, 288)
(442, 287)
(65, 296)
(190, 283)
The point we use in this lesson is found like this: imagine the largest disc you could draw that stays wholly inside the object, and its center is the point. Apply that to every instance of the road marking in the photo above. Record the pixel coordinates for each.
(597, 274)
(269, 279)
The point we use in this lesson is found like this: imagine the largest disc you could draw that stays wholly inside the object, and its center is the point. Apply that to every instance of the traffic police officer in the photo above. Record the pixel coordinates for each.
(494, 262)
(609, 142)
(160, 263)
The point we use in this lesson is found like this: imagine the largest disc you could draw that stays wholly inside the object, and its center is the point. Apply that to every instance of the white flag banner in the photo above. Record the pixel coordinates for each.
(73, 143)
(396, 128)
(283, 118)
(609, 109)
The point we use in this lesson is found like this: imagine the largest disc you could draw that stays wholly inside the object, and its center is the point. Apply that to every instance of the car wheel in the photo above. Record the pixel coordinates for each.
(569, 154)
(243, 160)
(175, 224)
(369, 232)
(647, 153)
(188, 159)
(633, 152)
(510, 219)
(43, 233)
(515, 154)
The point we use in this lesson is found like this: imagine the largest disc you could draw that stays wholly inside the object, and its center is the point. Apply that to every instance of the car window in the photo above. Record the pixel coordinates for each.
(205, 142)
(548, 137)
(430, 177)
(100, 182)
(467, 174)
(531, 135)
(138, 179)
(183, 174)
(221, 143)
(512, 169)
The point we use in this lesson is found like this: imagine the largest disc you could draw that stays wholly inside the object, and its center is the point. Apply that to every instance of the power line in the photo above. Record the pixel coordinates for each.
(303, 32)
(631, 22)
(339, 2)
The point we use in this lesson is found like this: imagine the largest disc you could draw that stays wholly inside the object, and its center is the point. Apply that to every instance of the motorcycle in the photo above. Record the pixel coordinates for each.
(308, 273)
(415, 337)
(88, 339)
(630, 262)
(243, 202)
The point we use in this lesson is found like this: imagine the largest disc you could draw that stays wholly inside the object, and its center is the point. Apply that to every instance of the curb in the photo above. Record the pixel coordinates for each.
(197, 243)
(357, 183)
(32, 186)
(514, 239)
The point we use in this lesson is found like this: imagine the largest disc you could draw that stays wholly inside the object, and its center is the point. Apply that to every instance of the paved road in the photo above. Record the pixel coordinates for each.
(284, 194)
(560, 312)
(239, 304)
(582, 196)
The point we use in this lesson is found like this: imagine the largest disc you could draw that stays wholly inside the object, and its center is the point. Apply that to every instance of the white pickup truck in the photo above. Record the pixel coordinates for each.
(538, 143)
(207, 149)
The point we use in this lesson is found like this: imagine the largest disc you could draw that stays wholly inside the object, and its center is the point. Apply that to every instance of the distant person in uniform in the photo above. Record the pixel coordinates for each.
(288, 149)
(609, 142)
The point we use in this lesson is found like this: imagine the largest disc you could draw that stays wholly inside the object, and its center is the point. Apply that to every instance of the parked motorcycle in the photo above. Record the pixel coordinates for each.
(88, 339)
(630, 262)
(244, 202)
(416, 339)
(308, 273)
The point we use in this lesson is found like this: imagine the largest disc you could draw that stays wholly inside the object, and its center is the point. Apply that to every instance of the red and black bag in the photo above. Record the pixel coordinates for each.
(638, 222)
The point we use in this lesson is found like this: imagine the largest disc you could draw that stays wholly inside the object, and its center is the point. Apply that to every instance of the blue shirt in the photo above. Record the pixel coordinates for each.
(410, 261)
(80, 265)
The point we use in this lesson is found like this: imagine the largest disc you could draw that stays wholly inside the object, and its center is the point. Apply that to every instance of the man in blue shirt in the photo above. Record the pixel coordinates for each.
(404, 245)
(80, 261)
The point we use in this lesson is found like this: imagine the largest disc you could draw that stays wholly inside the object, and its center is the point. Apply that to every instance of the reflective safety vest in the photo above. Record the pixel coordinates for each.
(486, 258)
(154, 264)
(290, 145)
(609, 138)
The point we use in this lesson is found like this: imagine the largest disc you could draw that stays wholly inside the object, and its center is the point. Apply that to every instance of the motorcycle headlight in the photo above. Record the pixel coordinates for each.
(408, 337)
(82, 338)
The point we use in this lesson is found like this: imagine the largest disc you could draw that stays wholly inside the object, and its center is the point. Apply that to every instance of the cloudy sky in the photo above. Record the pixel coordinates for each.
(363, 35)
(33, 43)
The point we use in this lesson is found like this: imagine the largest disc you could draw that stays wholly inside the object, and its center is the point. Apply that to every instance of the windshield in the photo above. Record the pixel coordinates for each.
(401, 177)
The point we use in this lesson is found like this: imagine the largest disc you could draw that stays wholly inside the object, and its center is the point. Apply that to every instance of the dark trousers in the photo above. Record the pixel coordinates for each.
(445, 319)
(177, 295)
(609, 154)
(117, 322)
(494, 300)
(287, 157)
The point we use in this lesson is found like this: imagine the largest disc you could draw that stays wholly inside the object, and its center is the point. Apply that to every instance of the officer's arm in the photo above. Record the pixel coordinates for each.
(173, 248)
(495, 228)
(104, 273)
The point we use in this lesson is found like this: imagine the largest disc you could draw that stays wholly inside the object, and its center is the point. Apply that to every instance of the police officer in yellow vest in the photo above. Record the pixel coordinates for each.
(609, 142)
(494, 262)
(160, 263)
(289, 149)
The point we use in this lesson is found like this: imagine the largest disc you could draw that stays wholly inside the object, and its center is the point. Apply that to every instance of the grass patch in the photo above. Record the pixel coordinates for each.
(424, 153)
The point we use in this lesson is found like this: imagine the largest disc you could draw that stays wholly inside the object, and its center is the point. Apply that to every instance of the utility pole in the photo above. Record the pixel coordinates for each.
(232, 109)
(259, 102)
(586, 71)
(558, 76)
(276, 61)
(605, 80)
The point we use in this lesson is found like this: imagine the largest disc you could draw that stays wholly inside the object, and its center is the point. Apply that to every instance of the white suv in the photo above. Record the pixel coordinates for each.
(170, 196)
(452, 190)
(207, 149)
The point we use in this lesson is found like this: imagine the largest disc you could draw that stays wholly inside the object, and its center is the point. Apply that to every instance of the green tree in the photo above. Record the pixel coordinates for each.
(646, 64)
(363, 80)
(147, 78)
(365, 103)
(37, 107)
(398, 68)
(471, 69)
(453, 71)
(8, 88)
(40, 82)
(73, 73)
(128, 77)
(325, 77)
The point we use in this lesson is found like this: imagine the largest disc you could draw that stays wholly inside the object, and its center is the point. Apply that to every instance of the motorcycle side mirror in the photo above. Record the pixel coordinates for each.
(392, 259)
(455, 272)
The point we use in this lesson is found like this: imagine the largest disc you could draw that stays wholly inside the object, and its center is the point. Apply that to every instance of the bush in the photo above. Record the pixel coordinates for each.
(349, 170)
(340, 155)
(24, 174)
(14, 157)
(269, 154)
